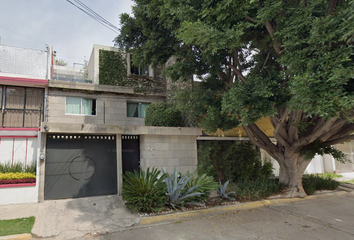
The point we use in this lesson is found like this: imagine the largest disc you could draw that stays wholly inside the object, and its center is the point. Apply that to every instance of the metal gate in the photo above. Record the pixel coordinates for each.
(130, 153)
(80, 166)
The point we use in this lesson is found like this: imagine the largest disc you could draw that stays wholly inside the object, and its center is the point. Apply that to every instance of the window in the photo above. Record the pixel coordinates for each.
(136, 109)
(141, 70)
(21, 106)
(80, 106)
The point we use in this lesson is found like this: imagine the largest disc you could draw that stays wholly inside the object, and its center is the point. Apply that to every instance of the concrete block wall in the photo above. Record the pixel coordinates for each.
(111, 109)
(168, 152)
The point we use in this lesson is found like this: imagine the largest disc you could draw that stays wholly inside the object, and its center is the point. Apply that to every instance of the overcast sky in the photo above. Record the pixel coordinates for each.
(72, 33)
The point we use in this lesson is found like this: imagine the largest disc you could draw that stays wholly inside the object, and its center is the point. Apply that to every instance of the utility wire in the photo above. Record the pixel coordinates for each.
(121, 5)
(94, 16)
(22, 35)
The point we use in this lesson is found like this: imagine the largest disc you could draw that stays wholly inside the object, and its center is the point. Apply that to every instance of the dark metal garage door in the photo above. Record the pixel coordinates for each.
(80, 166)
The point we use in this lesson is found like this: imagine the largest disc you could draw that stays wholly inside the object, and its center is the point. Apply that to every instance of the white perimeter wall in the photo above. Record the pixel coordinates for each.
(23, 150)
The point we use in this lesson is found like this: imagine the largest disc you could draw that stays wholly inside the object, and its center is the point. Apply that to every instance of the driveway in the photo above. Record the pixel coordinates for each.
(329, 217)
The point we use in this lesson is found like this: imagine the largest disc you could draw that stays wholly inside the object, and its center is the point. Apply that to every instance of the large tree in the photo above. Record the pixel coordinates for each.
(291, 61)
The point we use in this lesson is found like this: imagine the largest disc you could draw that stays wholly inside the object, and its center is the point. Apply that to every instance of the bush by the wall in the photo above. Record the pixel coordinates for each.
(252, 190)
(314, 182)
(144, 191)
(17, 167)
(163, 114)
(207, 184)
(229, 160)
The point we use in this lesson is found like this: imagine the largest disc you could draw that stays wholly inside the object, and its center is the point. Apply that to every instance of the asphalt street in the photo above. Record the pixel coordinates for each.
(320, 218)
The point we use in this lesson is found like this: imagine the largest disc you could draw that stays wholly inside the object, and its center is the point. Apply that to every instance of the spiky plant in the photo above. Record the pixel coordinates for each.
(207, 184)
(144, 191)
(176, 191)
(222, 191)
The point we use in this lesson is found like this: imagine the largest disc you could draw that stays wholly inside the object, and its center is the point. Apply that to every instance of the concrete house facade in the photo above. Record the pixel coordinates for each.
(93, 133)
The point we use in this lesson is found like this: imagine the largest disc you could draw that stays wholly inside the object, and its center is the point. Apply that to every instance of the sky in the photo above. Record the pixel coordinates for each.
(72, 33)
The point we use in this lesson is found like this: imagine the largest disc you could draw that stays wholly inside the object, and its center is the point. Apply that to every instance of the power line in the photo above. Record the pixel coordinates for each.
(97, 15)
(22, 35)
(94, 15)
(121, 5)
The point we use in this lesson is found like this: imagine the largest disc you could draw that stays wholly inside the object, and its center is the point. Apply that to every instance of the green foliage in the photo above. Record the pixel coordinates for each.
(292, 61)
(144, 191)
(176, 191)
(320, 148)
(231, 160)
(16, 226)
(222, 191)
(314, 182)
(206, 185)
(257, 189)
(112, 68)
(17, 167)
(163, 114)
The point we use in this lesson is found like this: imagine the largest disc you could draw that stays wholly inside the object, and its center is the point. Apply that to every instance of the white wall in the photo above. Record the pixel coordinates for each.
(25, 150)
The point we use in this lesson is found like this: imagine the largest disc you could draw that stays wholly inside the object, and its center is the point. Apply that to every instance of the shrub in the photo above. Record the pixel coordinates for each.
(17, 167)
(251, 190)
(313, 182)
(145, 191)
(206, 183)
(163, 114)
(226, 160)
(17, 175)
(176, 192)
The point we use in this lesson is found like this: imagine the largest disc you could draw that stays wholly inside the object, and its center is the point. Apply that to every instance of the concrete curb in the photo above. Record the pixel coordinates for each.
(24, 236)
(241, 206)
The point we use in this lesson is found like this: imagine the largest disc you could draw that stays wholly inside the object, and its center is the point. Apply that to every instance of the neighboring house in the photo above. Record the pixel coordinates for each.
(94, 132)
(24, 75)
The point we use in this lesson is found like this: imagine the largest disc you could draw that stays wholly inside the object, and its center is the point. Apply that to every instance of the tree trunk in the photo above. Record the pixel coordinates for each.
(291, 170)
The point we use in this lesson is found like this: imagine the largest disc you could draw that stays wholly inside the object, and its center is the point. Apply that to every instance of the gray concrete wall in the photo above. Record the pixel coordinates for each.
(111, 109)
(168, 152)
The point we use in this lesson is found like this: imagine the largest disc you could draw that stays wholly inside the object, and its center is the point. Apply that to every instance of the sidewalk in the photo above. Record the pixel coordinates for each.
(69, 218)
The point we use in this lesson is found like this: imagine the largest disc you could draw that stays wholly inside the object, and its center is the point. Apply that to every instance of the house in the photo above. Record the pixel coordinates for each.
(95, 132)
(24, 75)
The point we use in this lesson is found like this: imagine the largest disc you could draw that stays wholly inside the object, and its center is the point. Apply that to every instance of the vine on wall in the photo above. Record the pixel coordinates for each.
(113, 71)
(112, 68)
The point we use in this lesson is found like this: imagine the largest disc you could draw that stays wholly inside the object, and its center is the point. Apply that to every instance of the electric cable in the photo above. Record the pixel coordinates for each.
(93, 16)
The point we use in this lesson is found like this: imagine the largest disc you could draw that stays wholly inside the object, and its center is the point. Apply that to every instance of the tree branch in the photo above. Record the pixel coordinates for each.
(271, 31)
(251, 19)
(346, 130)
(315, 135)
(340, 140)
(254, 140)
(294, 120)
(239, 74)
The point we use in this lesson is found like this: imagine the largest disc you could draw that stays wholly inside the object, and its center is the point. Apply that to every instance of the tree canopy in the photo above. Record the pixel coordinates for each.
(291, 61)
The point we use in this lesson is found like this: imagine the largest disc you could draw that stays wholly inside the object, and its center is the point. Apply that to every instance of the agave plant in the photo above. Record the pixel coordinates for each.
(222, 191)
(175, 189)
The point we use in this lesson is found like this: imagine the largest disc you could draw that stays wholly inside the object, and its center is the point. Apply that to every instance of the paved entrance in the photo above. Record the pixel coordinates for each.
(80, 166)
